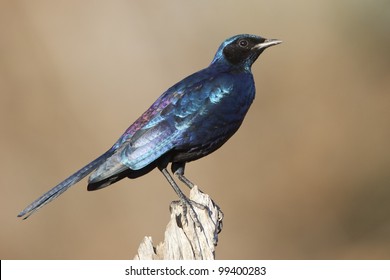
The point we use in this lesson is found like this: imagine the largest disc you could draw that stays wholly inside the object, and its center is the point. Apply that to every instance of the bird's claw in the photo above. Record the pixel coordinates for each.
(188, 208)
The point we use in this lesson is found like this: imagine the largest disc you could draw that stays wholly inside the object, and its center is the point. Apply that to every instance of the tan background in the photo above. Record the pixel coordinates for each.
(306, 177)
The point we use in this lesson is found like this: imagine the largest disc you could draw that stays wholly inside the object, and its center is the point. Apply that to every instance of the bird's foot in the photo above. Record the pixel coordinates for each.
(189, 212)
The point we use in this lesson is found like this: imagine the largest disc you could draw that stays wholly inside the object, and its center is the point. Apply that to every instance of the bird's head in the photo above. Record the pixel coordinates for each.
(242, 50)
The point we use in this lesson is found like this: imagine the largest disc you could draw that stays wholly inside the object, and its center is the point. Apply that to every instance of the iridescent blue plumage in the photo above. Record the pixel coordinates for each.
(190, 120)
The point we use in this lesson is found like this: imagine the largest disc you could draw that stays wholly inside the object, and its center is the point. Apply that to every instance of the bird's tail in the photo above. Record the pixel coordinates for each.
(64, 185)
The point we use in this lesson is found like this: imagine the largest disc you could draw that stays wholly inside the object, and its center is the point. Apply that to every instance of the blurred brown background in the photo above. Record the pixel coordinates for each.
(306, 177)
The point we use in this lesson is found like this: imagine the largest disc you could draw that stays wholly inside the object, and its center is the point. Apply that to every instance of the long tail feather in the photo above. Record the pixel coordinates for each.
(64, 185)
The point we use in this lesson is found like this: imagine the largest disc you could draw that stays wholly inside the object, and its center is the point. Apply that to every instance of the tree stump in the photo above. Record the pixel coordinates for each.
(194, 239)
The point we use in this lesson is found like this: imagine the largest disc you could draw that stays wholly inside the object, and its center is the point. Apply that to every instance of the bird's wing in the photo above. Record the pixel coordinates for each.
(160, 128)
(145, 146)
(159, 135)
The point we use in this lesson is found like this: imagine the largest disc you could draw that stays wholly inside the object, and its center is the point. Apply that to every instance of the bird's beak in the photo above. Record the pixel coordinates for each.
(267, 43)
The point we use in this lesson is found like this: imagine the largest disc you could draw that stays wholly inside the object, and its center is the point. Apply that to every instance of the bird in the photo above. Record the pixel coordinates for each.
(190, 120)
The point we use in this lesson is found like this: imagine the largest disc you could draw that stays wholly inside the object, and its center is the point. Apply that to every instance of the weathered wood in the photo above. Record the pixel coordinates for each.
(187, 240)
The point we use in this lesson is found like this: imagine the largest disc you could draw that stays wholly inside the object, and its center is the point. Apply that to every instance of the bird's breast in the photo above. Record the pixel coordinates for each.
(217, 120)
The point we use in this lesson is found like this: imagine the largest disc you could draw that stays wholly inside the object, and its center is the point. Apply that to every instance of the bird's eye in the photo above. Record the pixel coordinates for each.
(243, 43)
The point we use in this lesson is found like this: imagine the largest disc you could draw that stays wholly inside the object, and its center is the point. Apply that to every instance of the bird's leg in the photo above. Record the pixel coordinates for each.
(178, 170)
(186, 203)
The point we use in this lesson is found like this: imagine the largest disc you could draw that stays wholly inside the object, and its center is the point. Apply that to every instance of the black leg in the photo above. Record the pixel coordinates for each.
(173, 184)
(178, 170)
(187, 204)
